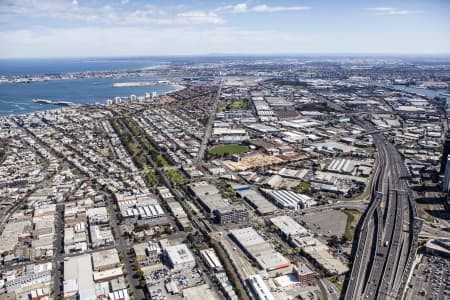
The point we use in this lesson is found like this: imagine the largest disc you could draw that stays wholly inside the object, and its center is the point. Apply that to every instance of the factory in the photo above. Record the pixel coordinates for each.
(259, 250)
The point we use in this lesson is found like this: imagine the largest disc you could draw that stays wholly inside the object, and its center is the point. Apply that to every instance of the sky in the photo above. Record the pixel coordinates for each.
(99, 28)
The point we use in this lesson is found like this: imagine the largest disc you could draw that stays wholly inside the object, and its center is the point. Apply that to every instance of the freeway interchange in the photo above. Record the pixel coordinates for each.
(387, 233)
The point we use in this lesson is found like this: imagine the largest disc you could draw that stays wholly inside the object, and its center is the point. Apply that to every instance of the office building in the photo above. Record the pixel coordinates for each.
(305, 275)
(231, 214)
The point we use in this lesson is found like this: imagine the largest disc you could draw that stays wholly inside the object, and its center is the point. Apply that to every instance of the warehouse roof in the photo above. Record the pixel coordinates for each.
(289, 226)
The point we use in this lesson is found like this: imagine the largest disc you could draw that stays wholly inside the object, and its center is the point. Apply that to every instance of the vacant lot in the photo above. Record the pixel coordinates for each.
(228, 149)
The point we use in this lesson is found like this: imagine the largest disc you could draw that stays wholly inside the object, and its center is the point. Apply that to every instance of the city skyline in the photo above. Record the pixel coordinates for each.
(139, 28)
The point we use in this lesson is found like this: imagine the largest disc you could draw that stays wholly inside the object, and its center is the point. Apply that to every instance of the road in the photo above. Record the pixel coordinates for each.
(123, 249)
(387, 232)
(209, 127)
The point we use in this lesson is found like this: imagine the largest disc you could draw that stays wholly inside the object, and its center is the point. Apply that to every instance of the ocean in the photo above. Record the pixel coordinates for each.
(16, 98)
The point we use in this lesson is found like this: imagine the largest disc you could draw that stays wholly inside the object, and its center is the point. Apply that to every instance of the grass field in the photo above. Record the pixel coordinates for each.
(349, 227)
(303, 187)
(231, 105)
(175, 176)
(228, 149)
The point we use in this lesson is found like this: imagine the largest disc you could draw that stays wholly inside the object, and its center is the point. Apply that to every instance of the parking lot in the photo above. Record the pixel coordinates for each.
(327, 222)
(431, 279)
(165, 284)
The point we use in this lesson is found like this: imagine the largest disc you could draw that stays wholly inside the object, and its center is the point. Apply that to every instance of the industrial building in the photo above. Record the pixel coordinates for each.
(180, 257)
(259, 250)
(211, 259)
(289, 228)
(321, 254)
(208, 196)
(256, 200)
(106, 259)
(259, 288)
(78, 278)
(291, 200)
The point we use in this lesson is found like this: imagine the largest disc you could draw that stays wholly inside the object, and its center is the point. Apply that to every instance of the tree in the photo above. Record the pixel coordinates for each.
(168, 230)
(299, 250)
(333, 241)
(139, 273)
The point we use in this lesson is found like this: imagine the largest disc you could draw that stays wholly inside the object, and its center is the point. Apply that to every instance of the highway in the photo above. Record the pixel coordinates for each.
(386, 241)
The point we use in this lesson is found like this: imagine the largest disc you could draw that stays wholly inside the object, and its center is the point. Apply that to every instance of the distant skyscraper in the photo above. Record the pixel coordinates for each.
(446, 180)
(445, 153)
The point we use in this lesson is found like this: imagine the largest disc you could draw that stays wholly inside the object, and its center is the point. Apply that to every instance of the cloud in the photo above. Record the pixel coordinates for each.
(199, 16)
(389, 11)
(240, 8)
(130, 41)
(108, 14)
(244, 8)
(267, 8)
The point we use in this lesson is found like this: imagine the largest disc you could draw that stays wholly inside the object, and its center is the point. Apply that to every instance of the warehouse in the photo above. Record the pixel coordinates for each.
(259, 288)
(106, 259)
(291, 200)
(288, 227)
(258, 249)
(342, 165)
(180, 257)
(78, 277)
(208, 196)
(256, 200)
(210, 257)
(321, 254)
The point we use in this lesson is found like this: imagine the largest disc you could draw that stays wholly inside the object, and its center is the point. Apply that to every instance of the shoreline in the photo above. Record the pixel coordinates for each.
(175, 88)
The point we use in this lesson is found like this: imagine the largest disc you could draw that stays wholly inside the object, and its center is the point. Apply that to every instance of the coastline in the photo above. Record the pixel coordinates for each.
(174, 88)
(177, 88)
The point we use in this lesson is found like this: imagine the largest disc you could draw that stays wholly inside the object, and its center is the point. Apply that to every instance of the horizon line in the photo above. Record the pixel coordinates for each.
(317, 54)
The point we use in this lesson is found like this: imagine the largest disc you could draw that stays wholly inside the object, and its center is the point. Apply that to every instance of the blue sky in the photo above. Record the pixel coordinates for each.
(72, 28)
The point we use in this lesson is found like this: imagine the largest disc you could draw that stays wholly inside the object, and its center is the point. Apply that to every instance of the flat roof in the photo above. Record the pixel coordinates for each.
(79, 268)
(247, 236)
(200, 292)
(289, 226)
(108, 274)
(262, 205)
(179, 254)
(105, 258)
(259, 288)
